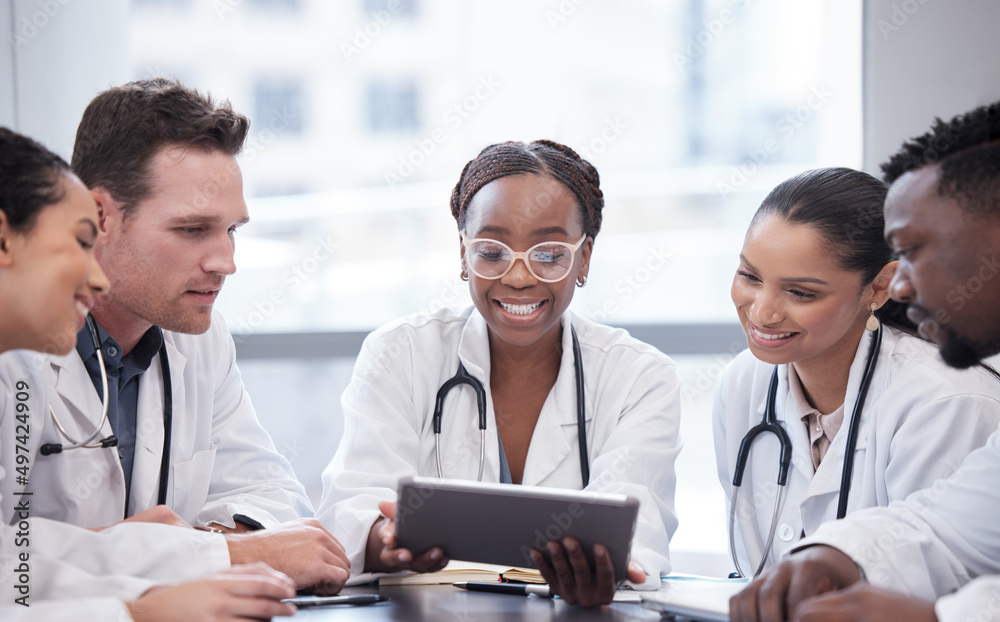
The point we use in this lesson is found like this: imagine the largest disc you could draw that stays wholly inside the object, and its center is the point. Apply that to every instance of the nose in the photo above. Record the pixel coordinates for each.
(900, 288)
(219, 257)
(764, 310)
(519, 276)
(96, 279)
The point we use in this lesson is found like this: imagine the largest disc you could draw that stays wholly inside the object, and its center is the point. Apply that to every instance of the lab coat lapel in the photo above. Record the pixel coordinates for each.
(825, 485)
(556, 426)
(77, 392)
(149, 430)
(789, 417)
(474, 354)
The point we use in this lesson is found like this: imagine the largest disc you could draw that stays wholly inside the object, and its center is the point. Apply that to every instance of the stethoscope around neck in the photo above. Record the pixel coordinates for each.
(49, 449)
(769, 425)
(464, 377)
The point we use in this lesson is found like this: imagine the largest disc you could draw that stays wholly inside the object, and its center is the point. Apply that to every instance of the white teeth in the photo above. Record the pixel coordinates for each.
(82, 308)
(770, 337)
(520, 309)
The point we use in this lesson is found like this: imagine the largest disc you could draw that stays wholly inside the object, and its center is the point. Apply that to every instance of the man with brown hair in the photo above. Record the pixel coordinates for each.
(183, 444)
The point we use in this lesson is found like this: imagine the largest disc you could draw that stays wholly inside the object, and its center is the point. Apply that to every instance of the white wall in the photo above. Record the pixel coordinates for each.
(925, 59)
(55, 56)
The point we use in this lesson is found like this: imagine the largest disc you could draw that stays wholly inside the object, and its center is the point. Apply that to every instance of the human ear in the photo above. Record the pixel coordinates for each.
(880, 284)
(585, 251)
(109, 211)
(5, 246)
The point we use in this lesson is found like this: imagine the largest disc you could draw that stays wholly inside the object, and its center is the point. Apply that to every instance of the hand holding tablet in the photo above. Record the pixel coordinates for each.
(503, 523)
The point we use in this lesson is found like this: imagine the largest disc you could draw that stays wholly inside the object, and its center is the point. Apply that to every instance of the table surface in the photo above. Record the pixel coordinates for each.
(444, 603)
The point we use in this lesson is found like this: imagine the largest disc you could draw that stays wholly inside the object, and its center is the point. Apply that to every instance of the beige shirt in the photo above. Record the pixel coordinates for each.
(822, 428)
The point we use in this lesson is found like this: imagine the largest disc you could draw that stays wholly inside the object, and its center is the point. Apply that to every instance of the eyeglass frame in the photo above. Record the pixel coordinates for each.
(523, 256)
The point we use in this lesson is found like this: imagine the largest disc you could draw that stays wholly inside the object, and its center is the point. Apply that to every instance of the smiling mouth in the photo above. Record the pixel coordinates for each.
(771, 337)
(520, 309)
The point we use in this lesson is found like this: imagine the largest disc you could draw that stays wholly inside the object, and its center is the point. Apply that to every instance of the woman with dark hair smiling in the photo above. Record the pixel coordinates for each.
(834, 369)
(527, 218)
(49, 280)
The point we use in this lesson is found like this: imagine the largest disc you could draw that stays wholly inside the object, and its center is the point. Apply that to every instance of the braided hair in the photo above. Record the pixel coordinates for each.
(541, 157)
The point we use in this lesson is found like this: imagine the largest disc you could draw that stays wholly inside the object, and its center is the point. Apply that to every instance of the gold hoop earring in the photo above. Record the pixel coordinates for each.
(872, 323)
(581, 280)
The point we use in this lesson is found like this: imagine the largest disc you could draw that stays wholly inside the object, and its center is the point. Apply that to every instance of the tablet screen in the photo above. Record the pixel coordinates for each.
(501, 523)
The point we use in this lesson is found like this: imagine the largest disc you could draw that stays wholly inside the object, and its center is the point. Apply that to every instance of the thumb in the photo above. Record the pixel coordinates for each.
(388, 509)
(635, 573)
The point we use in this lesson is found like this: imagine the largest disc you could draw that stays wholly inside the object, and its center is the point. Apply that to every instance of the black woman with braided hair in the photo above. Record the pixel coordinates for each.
(527, 216)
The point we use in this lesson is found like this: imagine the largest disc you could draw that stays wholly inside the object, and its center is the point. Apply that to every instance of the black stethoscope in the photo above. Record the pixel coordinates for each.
(111, 441)
(464, 377)
(769, 424)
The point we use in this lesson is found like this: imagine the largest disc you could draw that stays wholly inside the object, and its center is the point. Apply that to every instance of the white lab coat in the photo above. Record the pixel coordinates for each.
(222, 462)
(920, 420)
(936, 540)
(632, 412)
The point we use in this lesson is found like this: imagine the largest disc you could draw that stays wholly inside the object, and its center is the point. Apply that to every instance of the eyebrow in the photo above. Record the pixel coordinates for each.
(801, 279)
(182, 221)
(506, 231)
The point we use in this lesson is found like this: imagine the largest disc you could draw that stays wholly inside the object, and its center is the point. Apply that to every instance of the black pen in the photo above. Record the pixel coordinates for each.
(303, 602)
(519, 589)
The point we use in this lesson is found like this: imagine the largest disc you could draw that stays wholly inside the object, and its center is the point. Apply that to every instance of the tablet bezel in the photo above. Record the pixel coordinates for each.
(440, 512)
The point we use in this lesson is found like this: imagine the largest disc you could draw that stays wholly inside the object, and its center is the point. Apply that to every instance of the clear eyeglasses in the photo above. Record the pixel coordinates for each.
(549, 262)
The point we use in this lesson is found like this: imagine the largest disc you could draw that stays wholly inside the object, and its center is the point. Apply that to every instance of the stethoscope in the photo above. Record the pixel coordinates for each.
(464, 377)
(111, 441)
(769, 424)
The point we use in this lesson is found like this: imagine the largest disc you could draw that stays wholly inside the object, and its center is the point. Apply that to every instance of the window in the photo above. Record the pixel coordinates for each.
(278, 107)
(392, 108)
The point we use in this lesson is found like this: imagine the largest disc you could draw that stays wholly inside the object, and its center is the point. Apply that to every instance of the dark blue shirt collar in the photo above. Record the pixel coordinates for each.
(138, 359)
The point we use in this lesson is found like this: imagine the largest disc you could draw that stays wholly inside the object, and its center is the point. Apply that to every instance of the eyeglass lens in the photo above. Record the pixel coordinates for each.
(549, 260)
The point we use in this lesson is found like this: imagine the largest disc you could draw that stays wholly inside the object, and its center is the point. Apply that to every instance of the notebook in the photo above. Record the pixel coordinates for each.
(704, 599)
(465, 571)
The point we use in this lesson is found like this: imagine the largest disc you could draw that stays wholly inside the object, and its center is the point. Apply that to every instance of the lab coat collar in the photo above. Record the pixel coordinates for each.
(149, 427)
(558, 411)
(74, 387)
(474, 353)
(827, 478)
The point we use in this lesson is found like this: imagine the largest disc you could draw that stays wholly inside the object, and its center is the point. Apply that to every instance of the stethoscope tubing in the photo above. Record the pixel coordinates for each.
(771, 425)
(462, 376)
(111, 441)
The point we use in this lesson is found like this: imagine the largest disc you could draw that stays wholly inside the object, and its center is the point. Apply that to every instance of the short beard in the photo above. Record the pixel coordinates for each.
(962, 353)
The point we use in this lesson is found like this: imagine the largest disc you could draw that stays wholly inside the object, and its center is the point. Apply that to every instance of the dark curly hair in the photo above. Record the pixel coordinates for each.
(541, 157)
(125, 126)
(30, 179)
(967, 149)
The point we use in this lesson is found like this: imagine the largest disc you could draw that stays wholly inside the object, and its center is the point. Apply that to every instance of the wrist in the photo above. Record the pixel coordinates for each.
(374, 548)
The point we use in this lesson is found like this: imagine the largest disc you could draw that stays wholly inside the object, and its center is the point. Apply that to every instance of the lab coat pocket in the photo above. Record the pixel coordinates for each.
(191, 482)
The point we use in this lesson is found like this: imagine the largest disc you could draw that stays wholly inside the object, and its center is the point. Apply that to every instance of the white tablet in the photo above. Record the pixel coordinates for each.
(501, 523)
